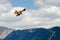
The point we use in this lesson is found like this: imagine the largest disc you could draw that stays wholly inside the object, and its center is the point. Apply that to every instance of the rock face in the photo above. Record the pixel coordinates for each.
(4, 32)
(35, 34)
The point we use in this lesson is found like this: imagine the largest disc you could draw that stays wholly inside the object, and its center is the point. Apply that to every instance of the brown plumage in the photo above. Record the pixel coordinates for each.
(19, 12)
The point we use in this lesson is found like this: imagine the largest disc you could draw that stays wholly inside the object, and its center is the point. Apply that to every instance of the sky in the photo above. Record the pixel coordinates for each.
(38, 14)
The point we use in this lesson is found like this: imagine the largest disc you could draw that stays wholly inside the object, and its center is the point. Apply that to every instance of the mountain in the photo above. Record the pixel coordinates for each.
(35, 34)
(55, 33)
(4, 32)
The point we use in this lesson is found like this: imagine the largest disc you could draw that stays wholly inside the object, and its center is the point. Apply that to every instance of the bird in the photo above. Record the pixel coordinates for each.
(19, 12)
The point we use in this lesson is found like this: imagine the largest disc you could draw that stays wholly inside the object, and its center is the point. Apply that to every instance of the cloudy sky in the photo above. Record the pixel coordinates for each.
(38, 14)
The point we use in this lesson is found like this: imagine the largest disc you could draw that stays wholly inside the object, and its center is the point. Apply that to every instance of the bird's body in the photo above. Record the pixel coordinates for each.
(19, 12)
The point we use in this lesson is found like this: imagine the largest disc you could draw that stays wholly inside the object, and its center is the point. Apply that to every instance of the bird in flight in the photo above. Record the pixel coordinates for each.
(19, 12)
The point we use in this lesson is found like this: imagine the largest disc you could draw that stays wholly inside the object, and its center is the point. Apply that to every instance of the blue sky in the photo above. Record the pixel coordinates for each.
(39, 13)
(29, 4)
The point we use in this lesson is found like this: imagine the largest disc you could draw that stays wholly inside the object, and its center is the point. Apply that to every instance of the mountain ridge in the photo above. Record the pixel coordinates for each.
(35, 34)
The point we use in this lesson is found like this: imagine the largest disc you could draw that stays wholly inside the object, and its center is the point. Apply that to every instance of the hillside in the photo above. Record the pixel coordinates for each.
(35, 34)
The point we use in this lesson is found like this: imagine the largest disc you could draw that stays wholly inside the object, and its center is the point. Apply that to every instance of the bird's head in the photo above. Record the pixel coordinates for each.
(24, 9)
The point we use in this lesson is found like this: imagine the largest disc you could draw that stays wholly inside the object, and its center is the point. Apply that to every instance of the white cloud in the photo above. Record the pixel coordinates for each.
(45, 17)
(9, 19)
(5, 6)
(47, 3)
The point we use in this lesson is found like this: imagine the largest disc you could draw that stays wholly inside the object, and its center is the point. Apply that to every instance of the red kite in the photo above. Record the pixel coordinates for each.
(19, 12)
